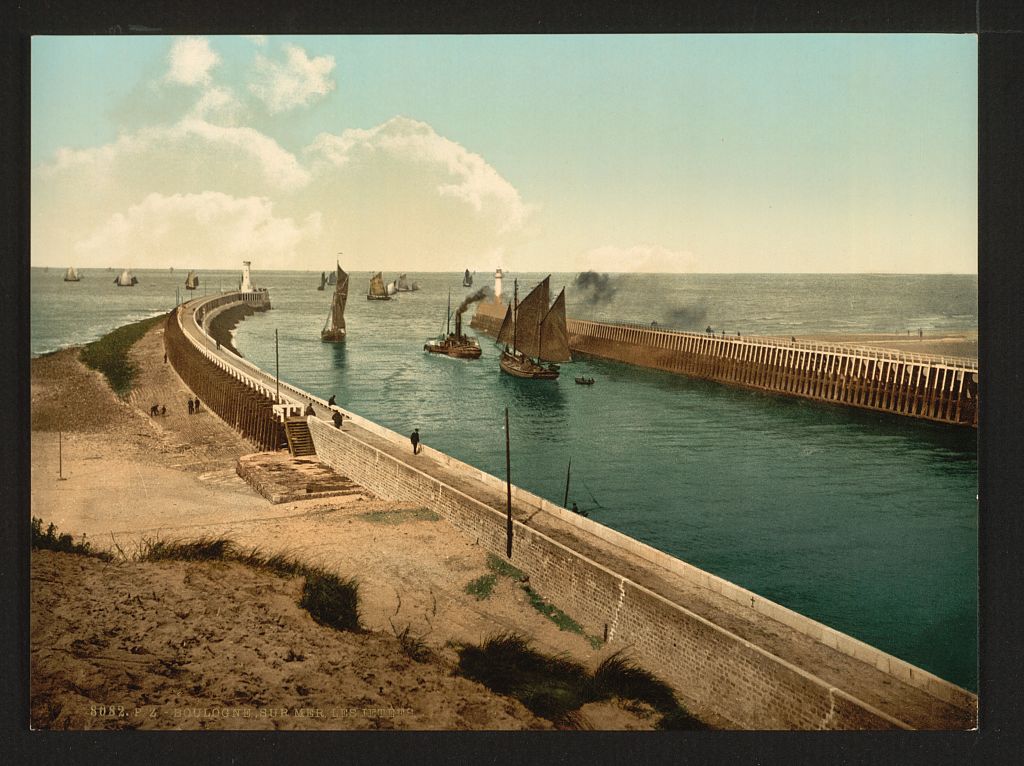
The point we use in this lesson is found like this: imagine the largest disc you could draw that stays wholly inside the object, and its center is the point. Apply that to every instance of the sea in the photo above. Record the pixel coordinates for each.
(863, 521)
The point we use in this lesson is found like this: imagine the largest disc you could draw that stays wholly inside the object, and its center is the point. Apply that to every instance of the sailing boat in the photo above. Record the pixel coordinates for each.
(191, 281)
(537, 334)
(71, 275)
(403, 285)
(323, 280)
(377, 289)
(467, 279)
(334, 327)
(332, 279)
(454, 344)
(126, 279)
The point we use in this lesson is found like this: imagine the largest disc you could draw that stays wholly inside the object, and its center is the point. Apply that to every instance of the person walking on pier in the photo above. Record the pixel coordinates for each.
(309, 410)
(190, 407)
(337, 418)
(331, 402)
(415, 439)
(197, 404)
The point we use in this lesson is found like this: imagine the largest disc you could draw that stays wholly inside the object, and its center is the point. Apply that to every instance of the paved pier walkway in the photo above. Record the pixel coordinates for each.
(903, 701)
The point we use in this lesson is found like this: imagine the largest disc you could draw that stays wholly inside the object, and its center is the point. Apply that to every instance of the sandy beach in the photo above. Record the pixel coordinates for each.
(169, 639)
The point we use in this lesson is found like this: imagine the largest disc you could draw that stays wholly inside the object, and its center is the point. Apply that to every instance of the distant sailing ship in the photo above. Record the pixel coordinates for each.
(534, 333)
(454, 344)
(191, 281)
(323, 280)
(377, 290)
(126, 279)
(392, 287)
(403, 286)
(467, 279)
(71, 275)
(334, 327)
(332, 279)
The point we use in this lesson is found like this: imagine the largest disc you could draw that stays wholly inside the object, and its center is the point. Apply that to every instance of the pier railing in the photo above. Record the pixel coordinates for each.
(855, 349)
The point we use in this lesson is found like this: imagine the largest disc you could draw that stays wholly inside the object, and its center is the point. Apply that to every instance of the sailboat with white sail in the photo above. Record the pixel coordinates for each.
(126, 279)
(71, 275)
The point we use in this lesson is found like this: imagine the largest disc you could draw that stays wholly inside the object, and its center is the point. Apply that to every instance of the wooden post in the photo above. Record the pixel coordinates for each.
(60, 455)
(508, 487)
(565, 502)
(277, 368)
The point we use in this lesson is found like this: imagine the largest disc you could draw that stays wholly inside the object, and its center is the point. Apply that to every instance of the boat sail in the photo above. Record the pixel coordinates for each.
(467, 279)
(334, 327)
(323, 280)
(377, 290)
(126, 279)
(403, 285)
(191, 281)
(454, 344)
(332, 279)
(71, 275)
(534, 333)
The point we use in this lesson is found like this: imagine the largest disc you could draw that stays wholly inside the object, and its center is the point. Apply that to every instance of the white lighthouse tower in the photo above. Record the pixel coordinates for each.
(246, 286)
(497, 286)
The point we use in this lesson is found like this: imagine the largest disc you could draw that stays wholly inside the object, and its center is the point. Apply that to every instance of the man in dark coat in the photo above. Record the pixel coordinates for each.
(337, 418)
(415, 439)
(331, 402)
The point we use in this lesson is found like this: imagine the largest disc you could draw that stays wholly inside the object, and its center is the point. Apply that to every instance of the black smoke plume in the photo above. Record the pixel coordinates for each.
(596, 288)
(688, 317)
(479, 295)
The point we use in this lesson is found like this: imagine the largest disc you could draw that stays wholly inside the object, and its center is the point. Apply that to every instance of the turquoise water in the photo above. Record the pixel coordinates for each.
(865, 522)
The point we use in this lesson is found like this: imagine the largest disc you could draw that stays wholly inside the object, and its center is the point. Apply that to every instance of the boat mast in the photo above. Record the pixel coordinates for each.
(515, 310)
(448, 320)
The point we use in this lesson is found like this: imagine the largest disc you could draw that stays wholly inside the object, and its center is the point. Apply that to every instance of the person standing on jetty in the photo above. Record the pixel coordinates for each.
(191, 408)
(415, 439)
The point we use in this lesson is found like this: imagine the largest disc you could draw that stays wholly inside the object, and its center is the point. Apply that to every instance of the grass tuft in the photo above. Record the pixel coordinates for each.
(109, 354)
(330, 599)
(482, 586)
(413, 646)
(501, 567)
(50, 540)
(555, 688)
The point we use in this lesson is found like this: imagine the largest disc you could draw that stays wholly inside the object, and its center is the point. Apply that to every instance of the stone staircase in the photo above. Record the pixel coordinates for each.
(300, 441)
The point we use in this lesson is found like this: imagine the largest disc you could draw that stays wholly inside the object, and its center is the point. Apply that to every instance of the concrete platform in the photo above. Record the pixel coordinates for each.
(281, 478)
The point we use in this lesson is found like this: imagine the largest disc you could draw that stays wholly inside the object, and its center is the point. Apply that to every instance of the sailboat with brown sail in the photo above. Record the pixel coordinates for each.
(377, 290)
(534, 334)
(191, 281)
(334, 327)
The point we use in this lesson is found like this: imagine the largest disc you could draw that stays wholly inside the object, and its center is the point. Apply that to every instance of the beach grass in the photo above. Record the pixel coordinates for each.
(50, 540)
(109, 354)
(330, 599)
(482, 586)
(555, 687)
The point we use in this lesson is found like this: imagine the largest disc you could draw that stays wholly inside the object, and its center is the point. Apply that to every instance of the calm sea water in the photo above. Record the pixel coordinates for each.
(865, 522)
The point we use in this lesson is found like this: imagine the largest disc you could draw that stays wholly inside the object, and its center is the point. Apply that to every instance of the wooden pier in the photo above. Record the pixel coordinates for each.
(936, 388)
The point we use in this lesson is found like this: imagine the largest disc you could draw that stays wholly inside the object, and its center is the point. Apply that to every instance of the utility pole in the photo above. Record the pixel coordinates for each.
(277, 367)
(565, 502)
(508, 486)
(60, 455)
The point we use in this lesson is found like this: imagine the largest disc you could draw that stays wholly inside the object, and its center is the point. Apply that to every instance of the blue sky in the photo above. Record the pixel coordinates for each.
(723, 153)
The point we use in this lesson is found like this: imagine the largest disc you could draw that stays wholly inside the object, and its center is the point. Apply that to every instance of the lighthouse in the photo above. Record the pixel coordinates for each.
(497, 286)
(246, 286)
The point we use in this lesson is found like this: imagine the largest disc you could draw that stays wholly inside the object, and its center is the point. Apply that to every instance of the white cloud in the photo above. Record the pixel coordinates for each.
(297, 81)
(191, 61)
(260, 40)
(217, 104)
(647, 258)
(457, 172)
(210, 228)
(191, 144)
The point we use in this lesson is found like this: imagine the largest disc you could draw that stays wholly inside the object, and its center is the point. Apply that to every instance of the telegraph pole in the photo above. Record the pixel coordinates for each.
(565, 502)
(277, 367)
(508, 486)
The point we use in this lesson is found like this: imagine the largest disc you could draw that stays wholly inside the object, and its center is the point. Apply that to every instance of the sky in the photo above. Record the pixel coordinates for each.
(612, 153)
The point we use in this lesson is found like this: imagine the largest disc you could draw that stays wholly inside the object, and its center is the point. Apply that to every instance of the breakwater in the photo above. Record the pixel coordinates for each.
(936, 388)
(725, 649)
(248, 409)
